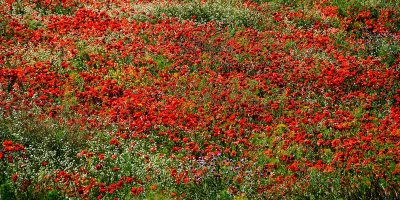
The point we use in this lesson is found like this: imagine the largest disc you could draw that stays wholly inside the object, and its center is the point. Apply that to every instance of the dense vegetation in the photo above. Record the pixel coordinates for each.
(234, 99)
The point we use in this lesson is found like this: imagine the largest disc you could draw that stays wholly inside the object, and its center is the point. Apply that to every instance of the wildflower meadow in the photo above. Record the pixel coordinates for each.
(199, 99)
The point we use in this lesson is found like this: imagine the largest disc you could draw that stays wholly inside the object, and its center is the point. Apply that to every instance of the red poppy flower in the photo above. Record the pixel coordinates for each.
(136, 191)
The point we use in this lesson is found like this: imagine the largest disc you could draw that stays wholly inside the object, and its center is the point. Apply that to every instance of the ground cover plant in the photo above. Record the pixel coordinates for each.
(224, 99)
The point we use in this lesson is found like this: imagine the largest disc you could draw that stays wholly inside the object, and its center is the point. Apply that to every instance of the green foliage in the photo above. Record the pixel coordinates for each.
(206, 12)
(79, 61)
(57, 9)
(33, 24)
(3, 24)
(338, 185)
(6, 191)
(54, 195)
(346, 5)
(210, 188)
(45, 134)
(389, 51)
(383, 46)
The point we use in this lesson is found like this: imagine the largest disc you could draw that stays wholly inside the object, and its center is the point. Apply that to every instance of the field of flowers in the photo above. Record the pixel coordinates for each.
(190, 99)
